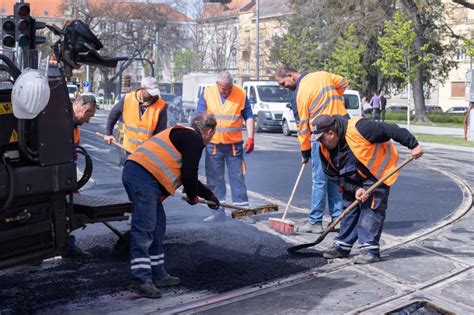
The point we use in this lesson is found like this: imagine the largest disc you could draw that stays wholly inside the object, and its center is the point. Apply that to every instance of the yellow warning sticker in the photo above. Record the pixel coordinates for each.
(14, 136)
(6, 108)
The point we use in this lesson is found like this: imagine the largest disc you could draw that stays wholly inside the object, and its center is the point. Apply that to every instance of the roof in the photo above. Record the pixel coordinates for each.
(39, 8)
(220, 10)
(270, 8)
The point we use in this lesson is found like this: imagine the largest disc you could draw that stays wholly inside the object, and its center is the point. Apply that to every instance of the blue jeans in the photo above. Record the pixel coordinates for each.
(148, 223)
(363, 223)
(322, 186)
(217, 157)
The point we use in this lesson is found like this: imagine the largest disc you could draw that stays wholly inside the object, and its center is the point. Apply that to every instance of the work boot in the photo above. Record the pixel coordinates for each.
(75, 252)
(145, 289)
(337, 228)
(316, 228)
(166, 281)
(366, 258)
(334, 252)
(217, 216)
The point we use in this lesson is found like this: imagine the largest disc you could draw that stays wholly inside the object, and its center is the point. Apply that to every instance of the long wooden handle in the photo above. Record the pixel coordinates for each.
(115, 143)
(212, 203)
(348, 209)
(293, 191)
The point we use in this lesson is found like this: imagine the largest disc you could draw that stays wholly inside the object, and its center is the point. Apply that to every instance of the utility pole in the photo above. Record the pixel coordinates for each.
(257, 50)
(155, 53)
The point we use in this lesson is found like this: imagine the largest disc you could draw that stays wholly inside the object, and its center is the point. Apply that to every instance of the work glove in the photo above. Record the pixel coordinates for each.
(248, 145)
(216, 201)
(193, 201)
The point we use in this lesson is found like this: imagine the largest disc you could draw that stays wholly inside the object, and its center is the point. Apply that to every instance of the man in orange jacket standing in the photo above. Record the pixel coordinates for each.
(231, 107)
(315, 94)
(143, 113)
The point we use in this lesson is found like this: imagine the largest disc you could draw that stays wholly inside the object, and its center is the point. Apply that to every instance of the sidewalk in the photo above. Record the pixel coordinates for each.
(435, 130)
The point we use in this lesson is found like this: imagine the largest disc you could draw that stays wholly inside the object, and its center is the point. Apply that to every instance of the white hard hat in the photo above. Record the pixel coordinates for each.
(30, 94)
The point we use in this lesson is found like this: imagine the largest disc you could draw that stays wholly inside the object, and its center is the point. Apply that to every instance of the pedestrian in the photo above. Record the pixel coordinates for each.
(383, 105)
(359, 152)
(84, 108)
(153, 172)
(231, 107)
(315, 94)
(375, 103)
(143, 112)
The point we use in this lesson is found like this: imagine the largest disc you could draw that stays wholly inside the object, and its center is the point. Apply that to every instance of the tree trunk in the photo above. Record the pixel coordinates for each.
(418, 97)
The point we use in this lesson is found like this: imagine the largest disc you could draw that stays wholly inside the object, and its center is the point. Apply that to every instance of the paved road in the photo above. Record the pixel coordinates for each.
(210, 257)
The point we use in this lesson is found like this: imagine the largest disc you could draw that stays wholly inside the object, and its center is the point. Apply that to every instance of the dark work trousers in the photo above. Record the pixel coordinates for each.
(148, 223)
(364, 223)
(382, 114)
(376, 114)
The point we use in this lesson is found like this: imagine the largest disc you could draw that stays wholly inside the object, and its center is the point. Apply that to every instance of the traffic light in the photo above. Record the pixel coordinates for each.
(22, 24)
(127, 80)
(8, 29)
(36, 40)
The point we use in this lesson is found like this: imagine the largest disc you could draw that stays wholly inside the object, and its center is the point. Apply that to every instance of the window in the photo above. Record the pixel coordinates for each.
(459, 54)
(458, 89)
(252, 95)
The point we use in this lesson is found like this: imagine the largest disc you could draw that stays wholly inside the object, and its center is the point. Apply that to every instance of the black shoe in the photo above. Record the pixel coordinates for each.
(166, 281)
(333, 252)
(366, 258)
(77, 253)
(145, 289)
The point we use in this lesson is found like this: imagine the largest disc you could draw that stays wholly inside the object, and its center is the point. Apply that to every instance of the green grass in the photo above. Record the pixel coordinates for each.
(449, 140)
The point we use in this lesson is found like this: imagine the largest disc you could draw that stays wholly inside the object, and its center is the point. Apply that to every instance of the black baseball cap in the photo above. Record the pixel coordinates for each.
(321, 124)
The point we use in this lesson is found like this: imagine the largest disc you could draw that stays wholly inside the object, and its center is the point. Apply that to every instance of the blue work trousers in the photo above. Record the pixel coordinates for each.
(217, 157)
(322, 186)
(363, 223)
(148, 223)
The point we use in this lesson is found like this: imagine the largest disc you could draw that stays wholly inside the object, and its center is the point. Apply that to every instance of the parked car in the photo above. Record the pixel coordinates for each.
(397, 108)
(175, 106)
(457, 110)
(73, 91)
(433, 109)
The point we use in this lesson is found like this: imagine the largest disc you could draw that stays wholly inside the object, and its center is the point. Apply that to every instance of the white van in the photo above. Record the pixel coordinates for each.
(268, 101)
(351, 101)
(73, 91)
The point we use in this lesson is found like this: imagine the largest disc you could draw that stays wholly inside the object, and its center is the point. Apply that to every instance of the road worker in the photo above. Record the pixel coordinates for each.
(315, 94)
(153, 172)
(358, 152)
(231, 107)
(143, 113)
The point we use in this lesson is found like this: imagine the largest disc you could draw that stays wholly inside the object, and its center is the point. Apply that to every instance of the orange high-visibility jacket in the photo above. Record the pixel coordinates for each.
(138, 129)
(161, 158)
(77, 135)
(318, 93)
(228, 115)
(378, 158)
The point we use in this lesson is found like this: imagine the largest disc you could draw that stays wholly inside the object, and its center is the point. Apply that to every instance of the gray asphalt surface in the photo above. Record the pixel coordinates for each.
(212, 257)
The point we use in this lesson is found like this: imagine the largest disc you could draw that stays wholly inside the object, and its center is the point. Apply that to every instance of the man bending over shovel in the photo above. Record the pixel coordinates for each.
(358, 152)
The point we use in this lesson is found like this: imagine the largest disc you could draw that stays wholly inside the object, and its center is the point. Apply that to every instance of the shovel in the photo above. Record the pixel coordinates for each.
(294, 249)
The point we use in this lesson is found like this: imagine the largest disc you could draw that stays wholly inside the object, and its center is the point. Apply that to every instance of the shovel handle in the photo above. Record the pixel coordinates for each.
(115, 143)
(293, 191)
(349, 209)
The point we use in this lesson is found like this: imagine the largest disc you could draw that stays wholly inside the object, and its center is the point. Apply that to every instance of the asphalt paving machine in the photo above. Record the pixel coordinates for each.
(38, 206)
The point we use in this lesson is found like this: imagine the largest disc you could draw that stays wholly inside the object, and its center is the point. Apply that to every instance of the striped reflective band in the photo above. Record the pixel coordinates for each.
(161, 165)
(228, 129)
(320, 96)
(302, 122)
(325, 104)
(157, 259)
(135, 141)
(140, 263)
(228, 117)
(386, 160)
(139, 130)
(303, 132)
(165, 146)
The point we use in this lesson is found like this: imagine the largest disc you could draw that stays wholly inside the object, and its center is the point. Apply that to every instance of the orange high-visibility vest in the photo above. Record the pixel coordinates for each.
(378, 158)
(318, 93)
(77, 135)
(138, 129)
(161, 158)
(228, 115)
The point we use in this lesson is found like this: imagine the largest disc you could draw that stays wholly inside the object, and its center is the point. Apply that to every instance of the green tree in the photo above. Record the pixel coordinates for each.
(346, 59)
(184, 62)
